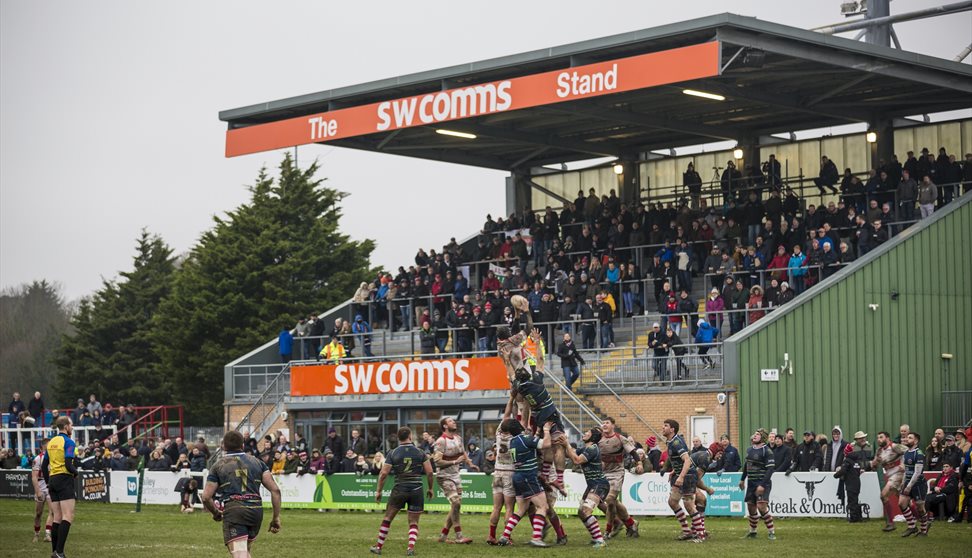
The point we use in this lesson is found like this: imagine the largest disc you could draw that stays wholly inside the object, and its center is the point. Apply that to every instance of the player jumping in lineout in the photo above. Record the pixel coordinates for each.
(758, 471)
(408, 465)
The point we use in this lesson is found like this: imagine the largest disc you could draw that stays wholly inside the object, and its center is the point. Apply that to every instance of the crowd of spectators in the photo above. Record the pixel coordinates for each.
(599, 258)
(100, 448)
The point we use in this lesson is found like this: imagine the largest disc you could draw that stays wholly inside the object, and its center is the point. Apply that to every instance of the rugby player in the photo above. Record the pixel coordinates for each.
(41, 494)
(526, 481)
(598, 487)
(759, 470)
(238, 477)
(407, 463)
(59, 468)
(510, 348)
(448, 453)
(915, 487)
(504, 497)
(889, 458)
(702, 459)
(613, 447)
(683, 480)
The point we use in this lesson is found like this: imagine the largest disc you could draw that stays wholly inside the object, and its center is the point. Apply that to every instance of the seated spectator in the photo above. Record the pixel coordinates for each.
(182, 463)
(131, 462)
(349, 464)
(197, 460)
(291, 463)
(942, 498)
(158, 461)
(279, 460)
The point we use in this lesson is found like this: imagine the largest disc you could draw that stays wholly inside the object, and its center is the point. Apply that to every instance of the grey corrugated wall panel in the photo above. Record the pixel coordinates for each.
(862, 369)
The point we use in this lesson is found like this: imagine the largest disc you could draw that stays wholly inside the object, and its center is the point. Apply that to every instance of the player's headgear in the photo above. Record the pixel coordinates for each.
(595, 435)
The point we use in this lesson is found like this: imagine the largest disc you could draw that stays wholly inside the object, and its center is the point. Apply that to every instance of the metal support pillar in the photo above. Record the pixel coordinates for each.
(519, 196)
(629, 183)
(883, 148)
(878, 34)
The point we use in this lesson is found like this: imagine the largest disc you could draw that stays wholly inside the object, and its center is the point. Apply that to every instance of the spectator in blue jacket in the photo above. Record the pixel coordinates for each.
(286, 343)
(797, 269)
(461, 288)
(362, 330)
(705, 337)
(730, 462)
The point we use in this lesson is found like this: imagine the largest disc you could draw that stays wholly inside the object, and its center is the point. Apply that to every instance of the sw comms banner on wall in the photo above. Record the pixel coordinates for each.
(579, 82)
(416, 376)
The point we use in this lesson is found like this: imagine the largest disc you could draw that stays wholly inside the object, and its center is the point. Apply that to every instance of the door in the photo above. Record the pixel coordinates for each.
(704, 428)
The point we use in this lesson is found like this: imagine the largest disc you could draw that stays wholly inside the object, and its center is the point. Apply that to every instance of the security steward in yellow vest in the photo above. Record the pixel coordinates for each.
(333, 352)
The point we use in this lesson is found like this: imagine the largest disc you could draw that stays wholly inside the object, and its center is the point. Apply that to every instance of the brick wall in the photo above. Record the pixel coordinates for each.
(237, 412)
(656, 407)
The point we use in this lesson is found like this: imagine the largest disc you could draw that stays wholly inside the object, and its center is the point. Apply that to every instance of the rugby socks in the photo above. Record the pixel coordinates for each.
(629, 522)
(445, 532)
(62, 534)
(681, 517)
(510, 525)
(458, 530)
(538, 523)
(55, 528)
(383, 533)
(924, 523)
(412, 535)
(701, 510)
(545, 470)
(558, 526)
(768, 520)
(909, 517)
(560, 476)
(492, 531)
(593, 528)
(753, 522)
(697, 527)
(36, 529)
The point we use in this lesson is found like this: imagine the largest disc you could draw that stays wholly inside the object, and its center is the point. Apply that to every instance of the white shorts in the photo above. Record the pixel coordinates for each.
(503, 483)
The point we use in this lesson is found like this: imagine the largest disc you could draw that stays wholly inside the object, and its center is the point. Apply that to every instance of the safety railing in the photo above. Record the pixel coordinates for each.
(162, 421)
(578, 416)
(624, 403)
(683, 366)
(28, 439)
(956, 409)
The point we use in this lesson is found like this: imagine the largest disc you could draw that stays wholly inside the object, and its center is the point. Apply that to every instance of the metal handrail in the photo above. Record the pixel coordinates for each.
(627, 406)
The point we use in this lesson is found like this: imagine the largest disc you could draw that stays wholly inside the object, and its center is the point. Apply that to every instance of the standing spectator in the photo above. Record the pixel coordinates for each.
(349, 463)
(730, 462)
(362, 330)
(357, 444)
(705, 338)
(605, 317)
(569, 359)
(836, 452)
(301, 332)
(693, 182)
(738, 299)
(658, 342)
(588, 327)
(78, 411)
(335, 445)
(94, 405)
(797, 270)
(126, 419)
(361, 302)
(36, 408)
(14, 409)
(755, 306)
(907, 194)
(714, 307)
(427, 338)
(333, 352)
(927, 195)
(807, 456)
(879, 234)
(782, 453)
(285, 342)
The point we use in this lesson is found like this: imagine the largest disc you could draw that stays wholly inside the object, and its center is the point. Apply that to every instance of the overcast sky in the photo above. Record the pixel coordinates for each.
(108, 111)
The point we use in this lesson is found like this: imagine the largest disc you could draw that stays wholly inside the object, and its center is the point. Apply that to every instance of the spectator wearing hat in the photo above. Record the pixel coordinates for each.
(714, 306)
(653, 455)
(807, 456)
(658, 342)
(855, 459)
(951, 453)
(334, 444)
(319, 465)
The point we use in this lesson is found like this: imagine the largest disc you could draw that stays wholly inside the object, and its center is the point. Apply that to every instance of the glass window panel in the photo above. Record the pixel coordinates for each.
(391, 414)
(468, 415)
(490, 415)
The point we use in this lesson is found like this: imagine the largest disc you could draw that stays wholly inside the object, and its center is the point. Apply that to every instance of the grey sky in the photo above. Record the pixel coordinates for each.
(108, 111)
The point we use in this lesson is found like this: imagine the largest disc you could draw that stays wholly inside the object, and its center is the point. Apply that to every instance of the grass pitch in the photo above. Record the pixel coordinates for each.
(113, 530)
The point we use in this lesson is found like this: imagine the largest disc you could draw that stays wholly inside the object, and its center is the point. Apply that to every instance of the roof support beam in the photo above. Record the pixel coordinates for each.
(652, 121)
(783, 100)
(845, 58)
(842, 87)
(531, 155)
(550, 193)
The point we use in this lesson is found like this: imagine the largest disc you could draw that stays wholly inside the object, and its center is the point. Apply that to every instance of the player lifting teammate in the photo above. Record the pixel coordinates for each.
(59, 468)
(449, 453)
(238, 477)
(408, 464)
(526, 481)
(915, 487)
(613, 447)
(758, 470)
(889, 458)
(683, 480)
(598, 487)
(41, 494)
(504, 496)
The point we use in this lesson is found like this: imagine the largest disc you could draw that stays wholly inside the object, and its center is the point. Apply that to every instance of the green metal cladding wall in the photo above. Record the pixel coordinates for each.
(866, 369)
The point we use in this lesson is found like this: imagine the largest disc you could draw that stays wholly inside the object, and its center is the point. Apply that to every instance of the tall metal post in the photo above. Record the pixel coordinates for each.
(878, 34)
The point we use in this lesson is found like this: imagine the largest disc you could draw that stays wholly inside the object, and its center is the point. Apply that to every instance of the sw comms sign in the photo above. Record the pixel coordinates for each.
(592, 80)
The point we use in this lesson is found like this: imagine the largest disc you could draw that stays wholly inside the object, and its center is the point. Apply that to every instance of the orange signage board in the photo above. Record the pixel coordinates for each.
(592, 80)
(416, 376)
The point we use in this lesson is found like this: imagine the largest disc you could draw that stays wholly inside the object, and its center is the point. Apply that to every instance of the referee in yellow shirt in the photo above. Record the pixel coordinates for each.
(59, 470)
